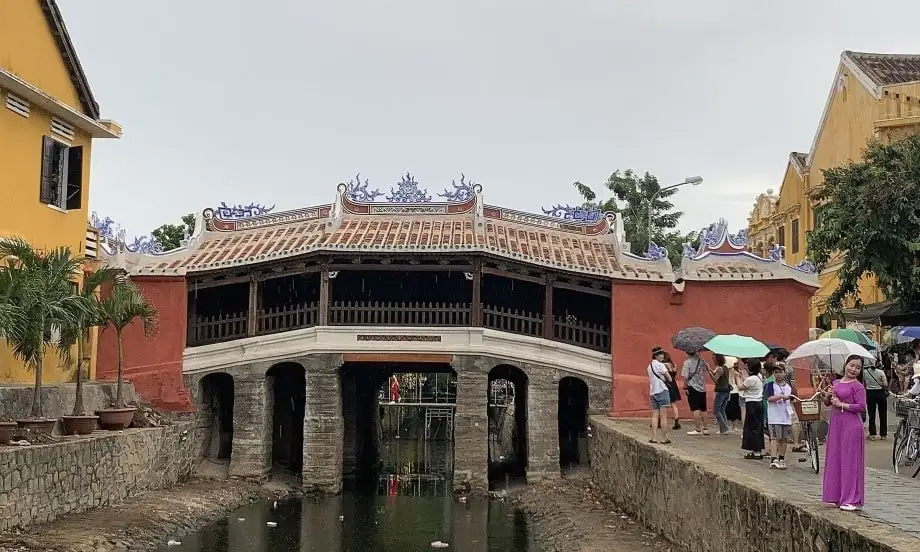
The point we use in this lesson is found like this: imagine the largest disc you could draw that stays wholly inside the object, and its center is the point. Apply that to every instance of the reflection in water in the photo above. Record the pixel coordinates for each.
(371, 522)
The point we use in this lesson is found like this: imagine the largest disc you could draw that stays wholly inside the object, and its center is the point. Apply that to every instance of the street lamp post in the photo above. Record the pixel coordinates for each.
(692, 180)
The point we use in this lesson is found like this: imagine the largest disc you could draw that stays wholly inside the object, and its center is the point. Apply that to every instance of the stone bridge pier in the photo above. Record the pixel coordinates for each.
(315, 439)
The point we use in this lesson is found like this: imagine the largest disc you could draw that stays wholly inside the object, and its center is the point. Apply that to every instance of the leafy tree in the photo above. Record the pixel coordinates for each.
(124, 305)
(76, 334)
(870, 221)
(40, 286)
(170, 236)
(631, 198)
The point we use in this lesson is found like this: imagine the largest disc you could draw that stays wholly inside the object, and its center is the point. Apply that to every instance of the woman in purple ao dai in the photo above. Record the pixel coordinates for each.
(845, 455)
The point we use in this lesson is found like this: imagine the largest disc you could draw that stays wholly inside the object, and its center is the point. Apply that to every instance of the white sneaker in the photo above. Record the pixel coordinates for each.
(705, 432)
(849, 508)
(694, 433)
(781, 465)
(774, 464)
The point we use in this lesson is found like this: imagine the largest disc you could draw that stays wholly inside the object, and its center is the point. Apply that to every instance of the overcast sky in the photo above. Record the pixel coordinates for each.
(278, 101)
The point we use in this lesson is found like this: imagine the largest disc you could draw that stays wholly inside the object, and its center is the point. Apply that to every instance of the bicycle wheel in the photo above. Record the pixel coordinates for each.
(900, 456)
(899, 435)
(813, 452)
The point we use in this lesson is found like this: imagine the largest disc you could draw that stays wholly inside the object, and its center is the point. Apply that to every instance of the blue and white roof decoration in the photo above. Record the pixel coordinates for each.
(723, 256)
(577, 214)
(407, 190)
(229, 212)
(112, 237)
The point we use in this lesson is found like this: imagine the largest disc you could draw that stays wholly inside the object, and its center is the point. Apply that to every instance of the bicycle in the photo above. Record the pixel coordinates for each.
(809, 413)
(906, 445)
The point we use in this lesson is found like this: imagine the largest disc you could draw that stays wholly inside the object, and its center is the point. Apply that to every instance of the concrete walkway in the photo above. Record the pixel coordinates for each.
(892, 500)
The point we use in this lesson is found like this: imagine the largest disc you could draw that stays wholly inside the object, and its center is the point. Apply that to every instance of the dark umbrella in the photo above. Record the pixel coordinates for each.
(691, 340)
(778, 350)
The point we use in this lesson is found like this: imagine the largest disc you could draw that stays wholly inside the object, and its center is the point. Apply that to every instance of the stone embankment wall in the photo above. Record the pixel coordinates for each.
(57, 399)
(712, 508)
(40, 483)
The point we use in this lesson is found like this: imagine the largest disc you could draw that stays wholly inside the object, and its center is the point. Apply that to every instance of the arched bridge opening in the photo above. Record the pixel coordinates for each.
(216, 412)
(573, 422)
(399, 424)
(507, 413)
(288, 396)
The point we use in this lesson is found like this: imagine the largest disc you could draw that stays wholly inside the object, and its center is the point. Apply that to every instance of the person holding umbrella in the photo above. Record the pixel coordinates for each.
(694, 374)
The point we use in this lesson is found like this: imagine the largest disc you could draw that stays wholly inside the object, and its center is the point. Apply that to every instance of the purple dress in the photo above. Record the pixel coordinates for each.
(845, 455)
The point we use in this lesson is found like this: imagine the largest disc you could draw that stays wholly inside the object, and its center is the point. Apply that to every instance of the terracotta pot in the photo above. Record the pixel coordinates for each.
(7, 429)
(41, 426)
(79, 425)
(114, 419)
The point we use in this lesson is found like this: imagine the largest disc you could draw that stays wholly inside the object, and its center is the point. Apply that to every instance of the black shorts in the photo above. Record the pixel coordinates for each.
(696, 400)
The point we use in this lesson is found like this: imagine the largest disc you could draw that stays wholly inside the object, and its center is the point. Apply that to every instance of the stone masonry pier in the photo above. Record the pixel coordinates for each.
(700, 494)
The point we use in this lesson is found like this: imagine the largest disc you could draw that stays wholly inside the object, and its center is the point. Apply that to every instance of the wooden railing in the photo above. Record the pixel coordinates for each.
(512, 320)
(583, 334)
(226, 327)
(221, 327)
(289, 317)
(398, 313)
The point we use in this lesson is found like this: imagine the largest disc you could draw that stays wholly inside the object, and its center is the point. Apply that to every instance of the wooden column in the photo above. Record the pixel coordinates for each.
(253, 318)
(323, 315)
(191, 325)
(477, 294)
(548, 308)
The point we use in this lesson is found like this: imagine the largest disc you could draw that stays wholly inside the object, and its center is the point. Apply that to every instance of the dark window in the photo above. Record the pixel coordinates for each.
(816, 217)
(795, 236)
(781, 236)
(62, 174)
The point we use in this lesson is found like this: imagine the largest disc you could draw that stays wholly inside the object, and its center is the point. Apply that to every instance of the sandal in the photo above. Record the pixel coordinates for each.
(652, 441)
(666, 442)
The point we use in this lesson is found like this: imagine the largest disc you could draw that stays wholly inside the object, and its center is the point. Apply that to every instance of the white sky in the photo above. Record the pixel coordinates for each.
(280, 100)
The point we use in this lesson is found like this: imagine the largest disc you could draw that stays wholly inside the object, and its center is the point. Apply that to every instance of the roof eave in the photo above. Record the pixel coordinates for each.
(65, 45)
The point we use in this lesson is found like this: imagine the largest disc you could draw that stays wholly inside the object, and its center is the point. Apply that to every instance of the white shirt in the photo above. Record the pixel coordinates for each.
(657, 372)
(915, 390)
(753, 389)
(780, 412)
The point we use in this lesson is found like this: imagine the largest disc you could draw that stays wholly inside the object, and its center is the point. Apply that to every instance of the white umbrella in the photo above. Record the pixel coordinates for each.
(825, 354)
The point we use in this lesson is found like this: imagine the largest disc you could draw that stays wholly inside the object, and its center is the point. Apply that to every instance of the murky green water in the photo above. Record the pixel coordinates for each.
(399, 517)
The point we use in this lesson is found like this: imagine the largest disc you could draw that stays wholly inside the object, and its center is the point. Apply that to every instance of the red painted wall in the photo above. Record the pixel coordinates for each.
(154, 364)
(774, 312)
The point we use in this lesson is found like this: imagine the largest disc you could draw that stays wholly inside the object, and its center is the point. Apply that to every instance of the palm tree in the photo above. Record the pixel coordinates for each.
(124, 305)
(77, 333)
(40, 286)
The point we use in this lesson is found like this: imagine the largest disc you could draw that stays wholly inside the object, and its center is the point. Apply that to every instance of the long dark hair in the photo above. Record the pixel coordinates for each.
(720, 359)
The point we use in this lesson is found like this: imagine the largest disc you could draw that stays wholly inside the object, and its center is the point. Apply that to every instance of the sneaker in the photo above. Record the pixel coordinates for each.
(781, 465)
(694, 433)
(774, 464)
(849, 508)
(705, 432)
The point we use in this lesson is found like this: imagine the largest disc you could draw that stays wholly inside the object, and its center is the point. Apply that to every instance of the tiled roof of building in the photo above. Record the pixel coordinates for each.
(887, 69)
(62, 38)
(722, 256)
(800, 158)
(578, 241)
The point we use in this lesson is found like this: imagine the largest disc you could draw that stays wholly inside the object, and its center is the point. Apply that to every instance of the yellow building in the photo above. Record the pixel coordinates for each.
(871, 96)
(48, 119)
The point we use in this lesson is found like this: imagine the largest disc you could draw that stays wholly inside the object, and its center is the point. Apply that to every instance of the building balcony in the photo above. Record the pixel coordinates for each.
(204, 330)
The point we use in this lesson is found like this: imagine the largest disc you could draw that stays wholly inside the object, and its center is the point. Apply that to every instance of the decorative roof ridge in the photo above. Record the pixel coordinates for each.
(717, 243)
(227, 218)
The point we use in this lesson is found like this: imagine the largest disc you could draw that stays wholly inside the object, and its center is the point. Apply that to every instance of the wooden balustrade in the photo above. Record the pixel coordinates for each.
(398, 313)
(217, 328)
(288, 317)
(583, 334)
(512, 320)
(226, 327)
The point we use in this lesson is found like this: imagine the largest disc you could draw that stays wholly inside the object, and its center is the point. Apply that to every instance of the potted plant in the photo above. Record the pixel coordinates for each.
(76, 335)
(124, 305)
(10, 321)
(40, 284)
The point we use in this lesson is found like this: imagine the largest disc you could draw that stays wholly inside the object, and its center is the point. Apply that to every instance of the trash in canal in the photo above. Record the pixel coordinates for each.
(172, 542)
(439, 544)
(271, 524)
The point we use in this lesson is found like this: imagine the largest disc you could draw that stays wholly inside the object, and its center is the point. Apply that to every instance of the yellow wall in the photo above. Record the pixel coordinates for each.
(28, 49)
(854, 117)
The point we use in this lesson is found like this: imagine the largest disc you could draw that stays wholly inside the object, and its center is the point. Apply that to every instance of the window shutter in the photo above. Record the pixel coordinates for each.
(74, 178)
(47, 179)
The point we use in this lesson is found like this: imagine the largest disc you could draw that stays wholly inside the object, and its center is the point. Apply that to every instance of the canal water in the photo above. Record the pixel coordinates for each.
(399, 517)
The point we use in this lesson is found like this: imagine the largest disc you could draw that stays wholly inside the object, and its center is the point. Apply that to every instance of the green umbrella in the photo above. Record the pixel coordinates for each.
(852, 336)
(740, 346)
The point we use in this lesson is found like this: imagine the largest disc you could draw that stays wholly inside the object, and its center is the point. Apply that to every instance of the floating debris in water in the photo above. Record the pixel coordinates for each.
(241, 519)
(271, 524)
(341, 518)
(173, 542)
(439, 544)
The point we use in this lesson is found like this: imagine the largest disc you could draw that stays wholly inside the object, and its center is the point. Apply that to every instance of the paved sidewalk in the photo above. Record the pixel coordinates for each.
(892, 500)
